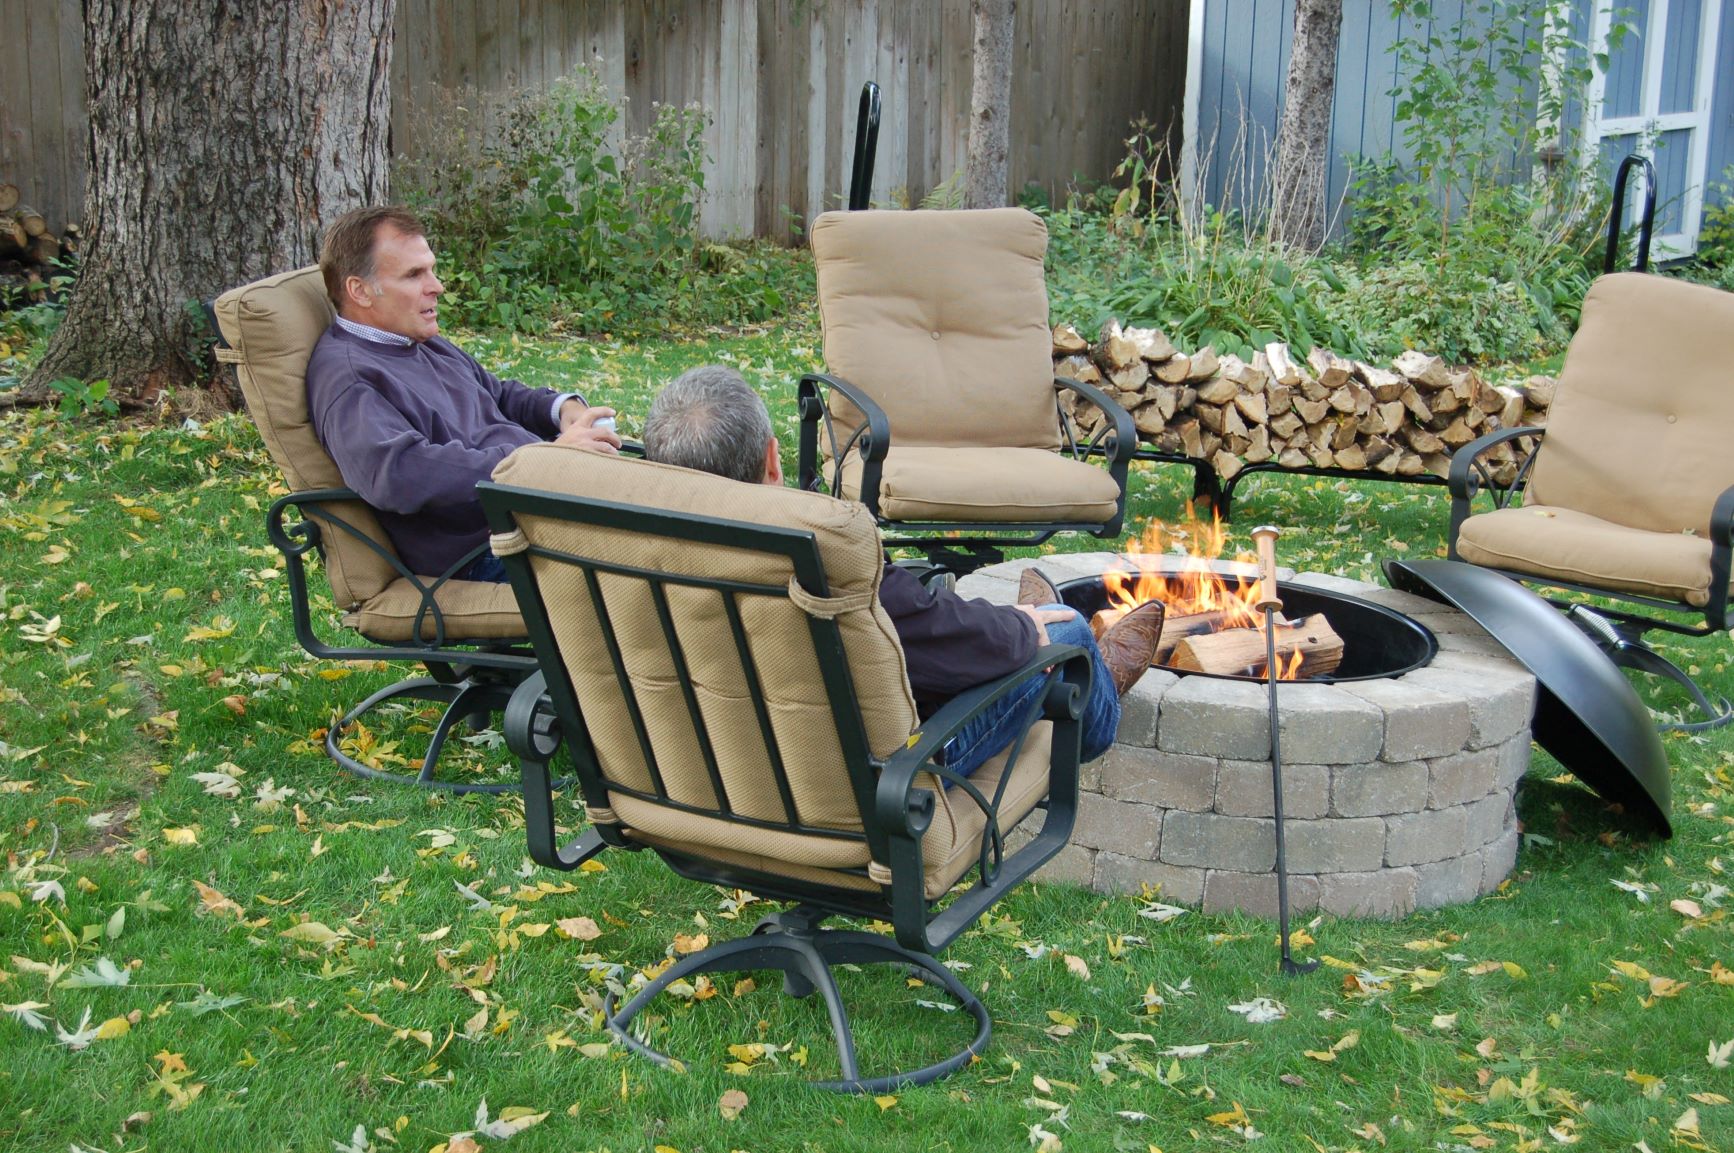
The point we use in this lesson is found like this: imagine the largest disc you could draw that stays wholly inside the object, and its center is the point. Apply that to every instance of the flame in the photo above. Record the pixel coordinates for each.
(1173, 564)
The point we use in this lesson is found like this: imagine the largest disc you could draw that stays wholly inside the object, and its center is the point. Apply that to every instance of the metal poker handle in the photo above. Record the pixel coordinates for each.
(1264, 540)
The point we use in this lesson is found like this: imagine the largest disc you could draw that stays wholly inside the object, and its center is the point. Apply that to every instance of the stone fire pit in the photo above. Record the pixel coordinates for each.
(1397, 792)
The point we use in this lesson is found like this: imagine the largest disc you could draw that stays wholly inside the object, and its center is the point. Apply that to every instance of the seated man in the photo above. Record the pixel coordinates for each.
(412, 421)
(710, 419)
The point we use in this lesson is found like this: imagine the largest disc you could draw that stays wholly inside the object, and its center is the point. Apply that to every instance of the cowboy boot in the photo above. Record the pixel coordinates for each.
(1129, 645)
(1034, 588)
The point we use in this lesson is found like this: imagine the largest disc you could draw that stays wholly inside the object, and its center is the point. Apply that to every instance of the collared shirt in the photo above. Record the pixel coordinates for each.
(381, 336)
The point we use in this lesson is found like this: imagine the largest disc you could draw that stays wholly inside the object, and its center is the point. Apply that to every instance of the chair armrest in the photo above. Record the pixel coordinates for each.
(1470, 475)
(1120, 440)
(872, 438)
(533, 734)
(296, 540)
(1117, 442)
(903, 812)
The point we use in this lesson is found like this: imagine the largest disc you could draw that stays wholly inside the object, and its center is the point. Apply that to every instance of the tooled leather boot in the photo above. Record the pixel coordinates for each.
(1129, 645)
(1034, 588)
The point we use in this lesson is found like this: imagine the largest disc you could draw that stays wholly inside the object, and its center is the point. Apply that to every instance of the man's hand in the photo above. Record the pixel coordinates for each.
(1042, 617)
(577, 427)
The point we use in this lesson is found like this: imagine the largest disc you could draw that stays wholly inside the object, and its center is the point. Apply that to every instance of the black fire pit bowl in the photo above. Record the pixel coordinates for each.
(1586, 712)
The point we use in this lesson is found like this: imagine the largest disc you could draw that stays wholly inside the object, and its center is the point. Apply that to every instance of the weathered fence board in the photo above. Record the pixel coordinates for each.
(779, 78)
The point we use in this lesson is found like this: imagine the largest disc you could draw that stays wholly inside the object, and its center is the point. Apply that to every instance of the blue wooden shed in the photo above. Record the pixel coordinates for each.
(1668, 92)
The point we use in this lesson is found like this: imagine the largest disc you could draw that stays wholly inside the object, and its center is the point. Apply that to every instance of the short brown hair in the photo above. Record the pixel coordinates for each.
(346, 249)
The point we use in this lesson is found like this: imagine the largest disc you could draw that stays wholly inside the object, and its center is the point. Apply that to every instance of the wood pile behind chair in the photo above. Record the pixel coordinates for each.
(1323, 411)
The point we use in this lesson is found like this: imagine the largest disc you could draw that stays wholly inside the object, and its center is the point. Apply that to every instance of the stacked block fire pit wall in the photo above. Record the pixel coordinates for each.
(1397, 792)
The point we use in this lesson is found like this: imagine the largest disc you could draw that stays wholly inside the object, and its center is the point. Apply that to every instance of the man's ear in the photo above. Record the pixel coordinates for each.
(773, 463)
(358, 292)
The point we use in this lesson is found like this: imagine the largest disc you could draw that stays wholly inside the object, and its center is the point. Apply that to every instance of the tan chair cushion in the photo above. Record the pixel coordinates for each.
(1638, 433)
(777, 632)
(271, 326)
(1565, 544)
(941, 317)
(783, 658)
(472, 611)
(1001, 485)
(950, 849)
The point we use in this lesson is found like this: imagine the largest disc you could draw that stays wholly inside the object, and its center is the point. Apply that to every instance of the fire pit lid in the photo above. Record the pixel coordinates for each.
(1586, 713)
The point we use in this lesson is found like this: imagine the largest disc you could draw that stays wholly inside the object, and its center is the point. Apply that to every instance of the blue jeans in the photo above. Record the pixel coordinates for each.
(995, 728)
(486, 567)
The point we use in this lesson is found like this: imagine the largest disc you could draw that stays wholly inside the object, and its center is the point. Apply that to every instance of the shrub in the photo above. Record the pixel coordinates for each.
(1463, 317)
(558, 216)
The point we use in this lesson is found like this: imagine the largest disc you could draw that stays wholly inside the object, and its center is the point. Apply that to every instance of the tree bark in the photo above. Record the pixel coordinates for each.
(222, 136)
(1298, 177)
(984, 176)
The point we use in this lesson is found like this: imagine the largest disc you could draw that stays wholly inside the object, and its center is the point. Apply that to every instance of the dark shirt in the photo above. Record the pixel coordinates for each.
(413, 428)
(949, 643)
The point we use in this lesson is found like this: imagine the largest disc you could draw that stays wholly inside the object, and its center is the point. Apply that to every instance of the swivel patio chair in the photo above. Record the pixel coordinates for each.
(467, 635)
(746, 715)
(1630, 492)
(939, 409)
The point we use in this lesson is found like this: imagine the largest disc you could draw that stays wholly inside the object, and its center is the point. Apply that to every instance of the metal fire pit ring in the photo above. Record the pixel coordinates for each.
(1377, 642)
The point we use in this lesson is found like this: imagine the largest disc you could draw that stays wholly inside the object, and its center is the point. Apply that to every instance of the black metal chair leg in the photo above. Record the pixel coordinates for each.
(1628, 650)
(805, 958)
(464, 700)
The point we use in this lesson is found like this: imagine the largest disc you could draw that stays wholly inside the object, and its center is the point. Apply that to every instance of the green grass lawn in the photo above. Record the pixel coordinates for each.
(229, 944)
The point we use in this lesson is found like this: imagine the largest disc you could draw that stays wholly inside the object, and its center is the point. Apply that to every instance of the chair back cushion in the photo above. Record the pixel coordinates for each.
(1638, 433)
(784, 664)
(942, 318)
(271, 327)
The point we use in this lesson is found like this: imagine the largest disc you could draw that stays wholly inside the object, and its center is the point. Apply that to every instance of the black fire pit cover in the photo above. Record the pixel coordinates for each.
(1586, 713)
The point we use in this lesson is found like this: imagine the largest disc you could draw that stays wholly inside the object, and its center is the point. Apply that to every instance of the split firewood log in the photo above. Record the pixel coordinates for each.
(1427, 371)
(1332, 370)
(1174, 370)
(1068, 341)
(1243, 650)
(1203, 364)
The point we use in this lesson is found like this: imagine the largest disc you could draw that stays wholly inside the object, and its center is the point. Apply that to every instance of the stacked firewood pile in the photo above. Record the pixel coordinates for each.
(1325, 411)
(27, 245)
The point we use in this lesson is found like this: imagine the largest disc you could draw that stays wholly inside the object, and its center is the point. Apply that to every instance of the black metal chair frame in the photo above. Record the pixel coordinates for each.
(473, 681)
(1617, 632)
(545, 720)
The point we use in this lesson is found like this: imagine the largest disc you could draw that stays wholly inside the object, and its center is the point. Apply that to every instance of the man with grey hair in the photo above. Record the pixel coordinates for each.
(711, 420)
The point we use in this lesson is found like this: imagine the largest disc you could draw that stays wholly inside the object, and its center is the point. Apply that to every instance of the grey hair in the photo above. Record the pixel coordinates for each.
(710, 419)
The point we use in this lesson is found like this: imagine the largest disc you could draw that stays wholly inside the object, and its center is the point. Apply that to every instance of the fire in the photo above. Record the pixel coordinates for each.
(1174, 565)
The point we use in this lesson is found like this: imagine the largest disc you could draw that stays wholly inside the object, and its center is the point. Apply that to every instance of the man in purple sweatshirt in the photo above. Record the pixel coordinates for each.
(412, 420)
(711, 420)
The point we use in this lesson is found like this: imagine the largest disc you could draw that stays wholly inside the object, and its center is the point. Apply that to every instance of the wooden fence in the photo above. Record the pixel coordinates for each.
(780, 79)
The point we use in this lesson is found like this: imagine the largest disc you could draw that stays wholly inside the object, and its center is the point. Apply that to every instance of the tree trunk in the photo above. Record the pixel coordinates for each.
(984, 174)
(222, 136)
(1298, 180)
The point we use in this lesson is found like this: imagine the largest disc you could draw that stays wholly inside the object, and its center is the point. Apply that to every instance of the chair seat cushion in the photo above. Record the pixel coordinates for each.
(1544, 541)
(949, 850)
(472, 611)
(995, 485)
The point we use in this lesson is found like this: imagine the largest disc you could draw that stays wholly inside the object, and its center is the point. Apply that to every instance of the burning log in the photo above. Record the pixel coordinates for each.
(1234, 651)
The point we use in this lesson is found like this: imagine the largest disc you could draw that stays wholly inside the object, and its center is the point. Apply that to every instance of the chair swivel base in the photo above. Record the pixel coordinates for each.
(1626, 648)
(792, 943)
(468, 699)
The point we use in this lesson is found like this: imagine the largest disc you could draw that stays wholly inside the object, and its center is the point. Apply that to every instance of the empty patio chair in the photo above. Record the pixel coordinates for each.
(939, 409)
(1630, 492)
(467, 635)
(747, 716)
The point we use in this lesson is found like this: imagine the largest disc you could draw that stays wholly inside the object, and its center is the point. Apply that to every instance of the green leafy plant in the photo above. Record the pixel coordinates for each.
(1467, 200)
(78, 398)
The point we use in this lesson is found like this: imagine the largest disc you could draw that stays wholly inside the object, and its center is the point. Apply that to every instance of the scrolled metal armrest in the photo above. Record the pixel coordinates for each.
(1122, 434)
(872, 438)
(896, 799)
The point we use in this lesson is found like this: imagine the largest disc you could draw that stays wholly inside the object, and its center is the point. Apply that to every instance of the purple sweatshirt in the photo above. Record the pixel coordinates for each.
(949, 643)
(413, 428)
